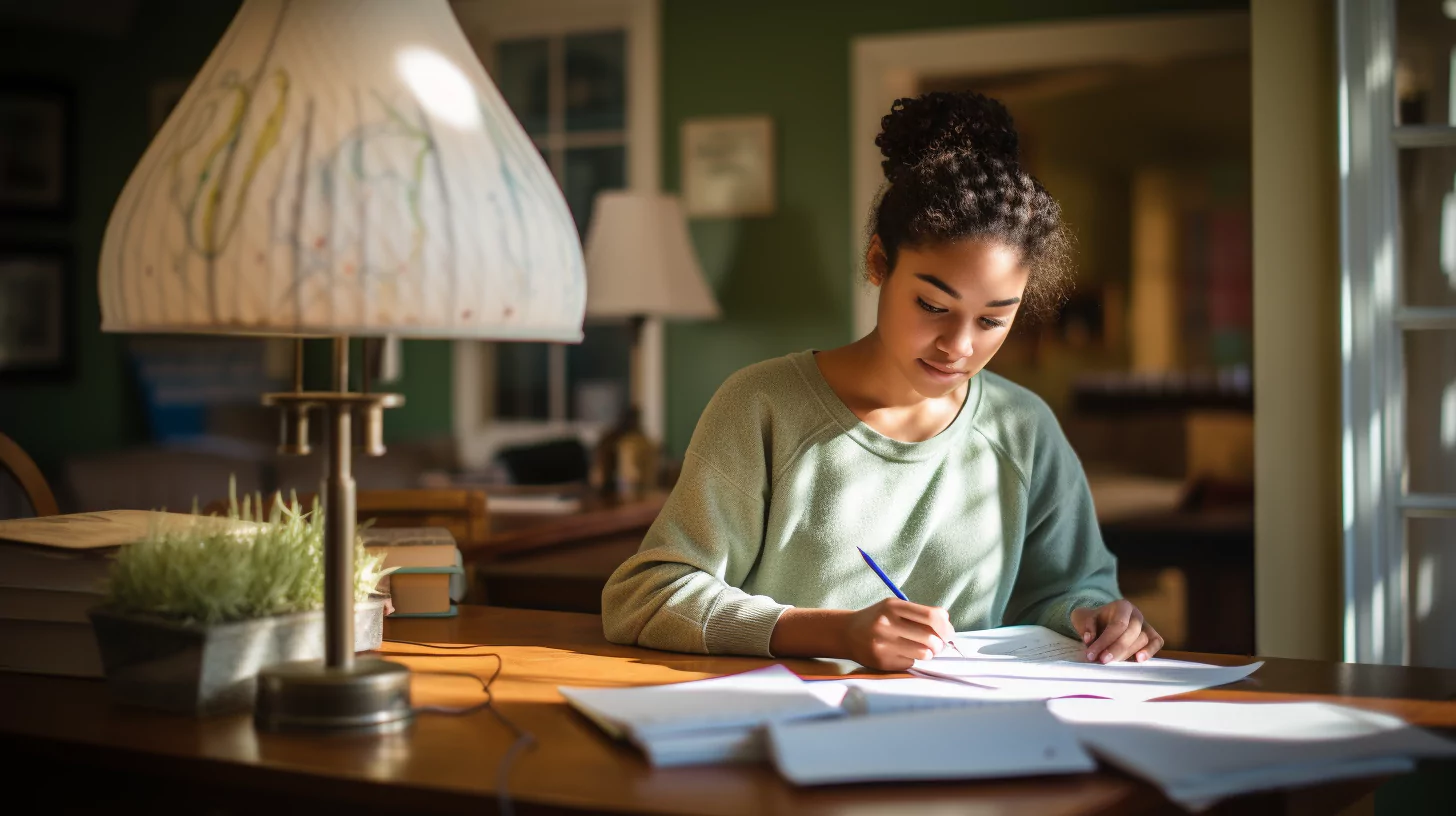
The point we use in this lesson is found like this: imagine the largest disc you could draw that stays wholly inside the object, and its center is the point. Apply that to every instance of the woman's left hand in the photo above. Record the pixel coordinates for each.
(1116, 631)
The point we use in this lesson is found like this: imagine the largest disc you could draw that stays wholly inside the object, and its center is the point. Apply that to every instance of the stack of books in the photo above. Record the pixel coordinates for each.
(52, 570)
(428, 574)
(44, 595)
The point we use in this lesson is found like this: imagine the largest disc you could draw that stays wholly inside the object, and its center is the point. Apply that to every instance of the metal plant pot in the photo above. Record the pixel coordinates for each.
(211, 669)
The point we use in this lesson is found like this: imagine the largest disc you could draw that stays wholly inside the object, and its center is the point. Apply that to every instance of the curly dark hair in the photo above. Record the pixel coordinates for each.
(951, 160)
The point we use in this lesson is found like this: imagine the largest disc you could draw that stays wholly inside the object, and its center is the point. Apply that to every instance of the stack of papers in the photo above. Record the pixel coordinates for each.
(992, 713)
(1199, 752)
(705, 721)
(1035, 662)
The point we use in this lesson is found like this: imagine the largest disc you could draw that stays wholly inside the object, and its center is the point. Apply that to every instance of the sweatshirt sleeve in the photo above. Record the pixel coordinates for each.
(1064, 564)
(680, 591)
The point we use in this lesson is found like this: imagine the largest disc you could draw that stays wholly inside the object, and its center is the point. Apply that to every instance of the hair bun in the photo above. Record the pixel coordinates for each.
(940, 122)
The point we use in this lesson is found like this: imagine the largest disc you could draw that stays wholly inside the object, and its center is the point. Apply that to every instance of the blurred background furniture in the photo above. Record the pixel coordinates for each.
(560, 562)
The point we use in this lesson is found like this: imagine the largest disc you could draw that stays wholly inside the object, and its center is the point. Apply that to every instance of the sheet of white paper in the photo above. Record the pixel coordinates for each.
(1197, 752)
(735, 701)
(1205, 792)
(712, 747)
(1012, 739)
(1032, 661)
(896, 694)
(1022, 643)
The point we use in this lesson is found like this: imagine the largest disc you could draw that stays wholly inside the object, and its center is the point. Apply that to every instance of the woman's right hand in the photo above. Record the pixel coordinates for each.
(893, 634)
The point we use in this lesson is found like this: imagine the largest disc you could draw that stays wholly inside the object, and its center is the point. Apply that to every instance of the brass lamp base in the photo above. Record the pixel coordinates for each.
(370, 696)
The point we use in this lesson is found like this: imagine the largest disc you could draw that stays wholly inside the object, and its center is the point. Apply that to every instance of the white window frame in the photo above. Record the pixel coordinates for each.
(1373, 323)
(478, 433)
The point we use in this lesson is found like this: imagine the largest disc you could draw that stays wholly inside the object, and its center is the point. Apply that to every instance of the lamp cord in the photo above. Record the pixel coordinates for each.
(524, 739)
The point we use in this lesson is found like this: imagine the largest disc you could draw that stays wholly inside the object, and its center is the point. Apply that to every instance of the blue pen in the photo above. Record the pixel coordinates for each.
(896, 590)
(881, 573)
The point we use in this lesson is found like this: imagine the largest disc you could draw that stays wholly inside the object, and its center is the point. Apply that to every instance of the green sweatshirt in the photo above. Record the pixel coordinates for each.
(991, 519)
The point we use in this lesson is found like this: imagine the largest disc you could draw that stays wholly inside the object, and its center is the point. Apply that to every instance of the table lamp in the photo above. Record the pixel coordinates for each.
(342, 168)
(640, 263)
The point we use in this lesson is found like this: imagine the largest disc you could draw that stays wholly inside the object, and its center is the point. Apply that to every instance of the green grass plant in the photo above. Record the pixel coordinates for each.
(221, 570)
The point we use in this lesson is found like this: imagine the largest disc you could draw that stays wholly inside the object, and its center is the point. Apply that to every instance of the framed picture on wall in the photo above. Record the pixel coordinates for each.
(728, 167)
(37, 123)
(35, 313)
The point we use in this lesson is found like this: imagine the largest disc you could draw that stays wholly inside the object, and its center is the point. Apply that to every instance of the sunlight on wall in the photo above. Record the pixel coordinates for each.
(1448, 417)
(1448, 236)
(1425, 587)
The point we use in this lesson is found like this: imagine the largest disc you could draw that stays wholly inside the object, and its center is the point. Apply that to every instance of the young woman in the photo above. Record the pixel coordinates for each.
(957, 482)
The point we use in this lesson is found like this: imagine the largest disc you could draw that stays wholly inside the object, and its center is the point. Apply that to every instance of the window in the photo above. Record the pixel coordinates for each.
(581, 76)
(569, 92)
(1398, 304)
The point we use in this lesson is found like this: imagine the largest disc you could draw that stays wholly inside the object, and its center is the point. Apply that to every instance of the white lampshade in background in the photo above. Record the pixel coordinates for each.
(640, 261)
(343, 167)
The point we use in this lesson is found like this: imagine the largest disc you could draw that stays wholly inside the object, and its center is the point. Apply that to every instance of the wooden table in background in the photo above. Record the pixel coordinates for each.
(64, 740)
(1214, 549)
(560, 562)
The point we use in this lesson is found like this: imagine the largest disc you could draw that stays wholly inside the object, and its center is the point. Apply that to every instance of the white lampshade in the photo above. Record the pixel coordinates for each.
(343, 167)
(640, 260)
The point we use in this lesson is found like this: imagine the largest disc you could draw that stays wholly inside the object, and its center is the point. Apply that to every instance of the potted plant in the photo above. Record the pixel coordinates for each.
(190, 617)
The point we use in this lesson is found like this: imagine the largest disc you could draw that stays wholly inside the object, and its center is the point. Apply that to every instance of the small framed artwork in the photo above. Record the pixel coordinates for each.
(35, 313)
(728, 167)
(36, 137)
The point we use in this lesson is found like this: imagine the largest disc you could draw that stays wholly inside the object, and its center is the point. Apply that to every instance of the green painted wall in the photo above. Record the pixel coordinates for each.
(784, 281)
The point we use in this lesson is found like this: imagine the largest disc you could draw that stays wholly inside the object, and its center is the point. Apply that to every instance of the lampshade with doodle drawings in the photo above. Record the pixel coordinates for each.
(343, 168)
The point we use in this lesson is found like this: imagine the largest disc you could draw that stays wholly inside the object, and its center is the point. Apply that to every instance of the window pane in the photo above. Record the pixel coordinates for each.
(598, 372)
(1431, 555)
(590, 170)
(596, 91)
(522, 381)
(1430, 411)
(1428, 226)
(522, 73)
(1425, 40)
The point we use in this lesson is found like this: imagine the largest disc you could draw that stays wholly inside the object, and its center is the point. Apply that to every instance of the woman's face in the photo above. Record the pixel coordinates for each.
(945, 310)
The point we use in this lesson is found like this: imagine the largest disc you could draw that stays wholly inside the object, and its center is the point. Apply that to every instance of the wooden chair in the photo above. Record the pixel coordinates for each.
(32, 483)
(460, 511)
(18, 464)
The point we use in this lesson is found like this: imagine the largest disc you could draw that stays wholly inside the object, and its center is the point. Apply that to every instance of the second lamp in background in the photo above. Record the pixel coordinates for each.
(640, 264)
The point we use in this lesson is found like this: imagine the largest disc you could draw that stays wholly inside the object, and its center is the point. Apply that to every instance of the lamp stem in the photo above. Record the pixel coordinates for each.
(298, 365)
(342, 692)
(341, 364)
(636, 363)
(339, 524)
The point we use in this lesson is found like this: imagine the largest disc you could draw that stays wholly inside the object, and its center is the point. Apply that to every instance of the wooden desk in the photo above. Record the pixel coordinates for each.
(64, 737)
